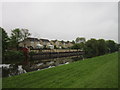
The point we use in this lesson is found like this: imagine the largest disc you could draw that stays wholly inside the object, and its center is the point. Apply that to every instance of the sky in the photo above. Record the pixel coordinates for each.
(63, 20)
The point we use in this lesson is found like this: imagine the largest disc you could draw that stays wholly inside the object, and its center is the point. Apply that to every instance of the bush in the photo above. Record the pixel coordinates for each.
(13, 56)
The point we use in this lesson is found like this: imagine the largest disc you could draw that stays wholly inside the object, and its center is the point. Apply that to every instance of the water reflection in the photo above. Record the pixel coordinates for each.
(16, 69)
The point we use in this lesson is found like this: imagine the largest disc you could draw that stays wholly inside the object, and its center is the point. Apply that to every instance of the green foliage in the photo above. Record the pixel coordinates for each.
(112, 46)
(95, 47)
(97, 72)
(73, 41)
(102, 47)
(5, 39)
(13, 55)
(18, 35)
(80, 39)
(15, 38)
(78, 46)
(91, 48)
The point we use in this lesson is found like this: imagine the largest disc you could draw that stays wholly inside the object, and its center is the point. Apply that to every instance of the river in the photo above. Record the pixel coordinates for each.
(9, 70)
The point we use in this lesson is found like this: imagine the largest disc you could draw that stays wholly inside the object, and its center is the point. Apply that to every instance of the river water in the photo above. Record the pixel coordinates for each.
(9, 70)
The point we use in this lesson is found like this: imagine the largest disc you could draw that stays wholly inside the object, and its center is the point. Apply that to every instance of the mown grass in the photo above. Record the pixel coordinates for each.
(97, 72)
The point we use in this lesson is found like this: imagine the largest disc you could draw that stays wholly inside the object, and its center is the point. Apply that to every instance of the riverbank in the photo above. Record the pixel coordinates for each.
(19, 68)
(97, 72)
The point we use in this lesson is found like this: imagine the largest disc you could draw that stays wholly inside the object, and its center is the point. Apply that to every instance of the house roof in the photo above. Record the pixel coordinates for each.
(44, 40)
(62, 41)
(32, 39)
(54, 41)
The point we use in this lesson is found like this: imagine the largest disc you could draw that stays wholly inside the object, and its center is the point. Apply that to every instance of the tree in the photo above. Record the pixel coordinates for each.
(25, 33)
(112, 46)
(5, 42)
(80, 39)
(78, 46)
(77, 39)
(91, 48)
(73, 42)
(102, 47)
(17, 36)
(5, 39)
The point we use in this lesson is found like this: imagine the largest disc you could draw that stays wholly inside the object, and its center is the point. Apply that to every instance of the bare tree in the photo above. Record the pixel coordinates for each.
(25, 33)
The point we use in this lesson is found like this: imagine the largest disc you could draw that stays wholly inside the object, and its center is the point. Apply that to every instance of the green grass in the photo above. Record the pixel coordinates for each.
(97, 72)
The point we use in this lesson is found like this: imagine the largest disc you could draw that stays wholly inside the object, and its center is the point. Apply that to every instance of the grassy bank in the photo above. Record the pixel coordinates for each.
(98, 72)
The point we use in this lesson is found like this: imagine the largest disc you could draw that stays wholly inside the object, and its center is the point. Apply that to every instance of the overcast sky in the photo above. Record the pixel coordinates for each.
(63, 20)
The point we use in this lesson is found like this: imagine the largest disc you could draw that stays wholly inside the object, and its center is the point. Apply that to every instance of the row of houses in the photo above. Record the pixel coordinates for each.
(45, 43)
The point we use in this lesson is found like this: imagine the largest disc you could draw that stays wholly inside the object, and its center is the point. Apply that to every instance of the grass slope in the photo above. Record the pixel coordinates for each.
(97, 72)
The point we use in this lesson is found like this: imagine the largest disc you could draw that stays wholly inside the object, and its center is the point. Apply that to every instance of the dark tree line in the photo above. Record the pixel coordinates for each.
(95, 47)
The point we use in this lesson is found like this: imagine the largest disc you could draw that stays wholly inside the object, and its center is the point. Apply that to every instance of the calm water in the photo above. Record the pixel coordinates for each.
(16, 69)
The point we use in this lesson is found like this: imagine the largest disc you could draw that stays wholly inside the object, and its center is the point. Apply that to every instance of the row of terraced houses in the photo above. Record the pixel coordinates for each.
(35, 42)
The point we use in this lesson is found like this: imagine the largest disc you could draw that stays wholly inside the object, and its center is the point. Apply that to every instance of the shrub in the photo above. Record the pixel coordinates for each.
(13, 56)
